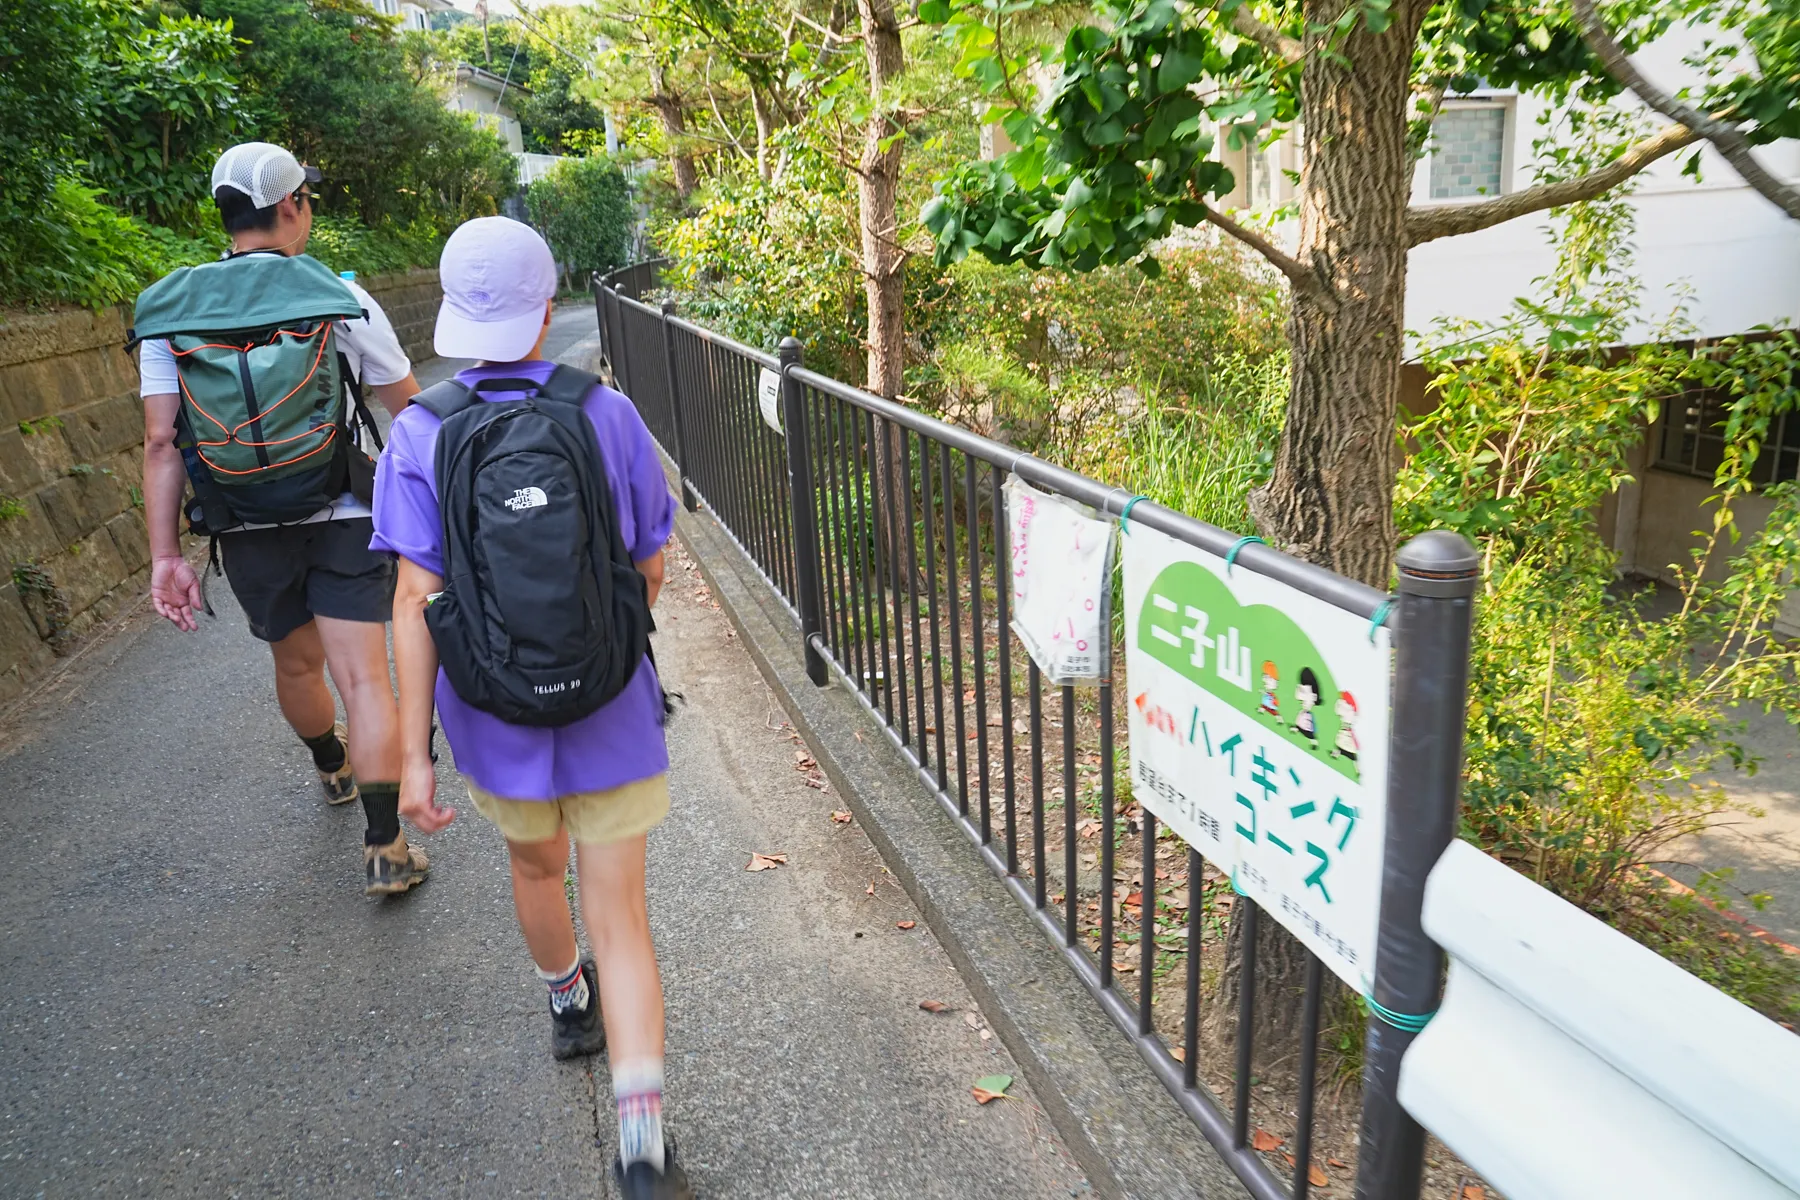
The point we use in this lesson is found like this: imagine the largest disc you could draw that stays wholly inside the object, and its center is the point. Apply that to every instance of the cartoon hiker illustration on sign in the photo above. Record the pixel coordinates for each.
(1307, 697)
(1346, 738)
(1270, 681)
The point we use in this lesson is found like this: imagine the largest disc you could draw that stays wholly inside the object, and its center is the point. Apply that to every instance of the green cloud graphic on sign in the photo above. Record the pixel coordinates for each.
(1192, 622)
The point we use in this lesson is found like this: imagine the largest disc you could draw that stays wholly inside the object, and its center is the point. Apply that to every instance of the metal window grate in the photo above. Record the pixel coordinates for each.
(1692, 441)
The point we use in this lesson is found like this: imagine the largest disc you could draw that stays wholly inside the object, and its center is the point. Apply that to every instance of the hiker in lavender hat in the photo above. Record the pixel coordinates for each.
(528, 510)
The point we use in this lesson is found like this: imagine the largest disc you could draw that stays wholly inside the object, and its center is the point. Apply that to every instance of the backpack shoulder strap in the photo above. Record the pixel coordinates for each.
(444, 400)
(570, 385)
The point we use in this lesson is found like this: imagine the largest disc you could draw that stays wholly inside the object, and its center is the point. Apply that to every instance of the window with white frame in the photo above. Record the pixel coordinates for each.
(1468, 155)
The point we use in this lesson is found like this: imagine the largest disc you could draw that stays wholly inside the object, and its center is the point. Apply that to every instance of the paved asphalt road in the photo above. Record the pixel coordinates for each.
(197, 1000)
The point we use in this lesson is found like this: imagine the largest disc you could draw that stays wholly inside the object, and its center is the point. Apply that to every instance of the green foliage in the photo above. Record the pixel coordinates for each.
(44, 89)
(760, 263)
(329, 80)
(164, 105)
(76, 250)
(1205, 456)
(1598, 721)
(583, 207)
(345, 244)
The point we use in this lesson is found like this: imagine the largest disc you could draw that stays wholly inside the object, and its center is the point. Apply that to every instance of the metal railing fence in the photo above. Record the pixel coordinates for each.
(883, 531)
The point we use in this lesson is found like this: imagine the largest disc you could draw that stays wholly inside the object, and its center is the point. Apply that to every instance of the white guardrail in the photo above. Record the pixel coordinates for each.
(1567, 1062)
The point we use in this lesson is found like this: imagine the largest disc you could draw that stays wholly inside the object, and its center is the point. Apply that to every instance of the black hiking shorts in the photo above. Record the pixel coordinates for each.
(285, 577)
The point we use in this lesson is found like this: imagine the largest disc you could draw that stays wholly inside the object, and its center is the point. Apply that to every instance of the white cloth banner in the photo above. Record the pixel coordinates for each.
(1061, 560)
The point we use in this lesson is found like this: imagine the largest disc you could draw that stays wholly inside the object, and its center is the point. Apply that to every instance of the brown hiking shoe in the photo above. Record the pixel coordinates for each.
(394, 868)
(340, 785)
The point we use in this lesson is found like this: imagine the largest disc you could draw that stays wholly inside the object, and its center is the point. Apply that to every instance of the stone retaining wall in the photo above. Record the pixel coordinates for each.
(410, 300)
(72, 541)
(73, 549)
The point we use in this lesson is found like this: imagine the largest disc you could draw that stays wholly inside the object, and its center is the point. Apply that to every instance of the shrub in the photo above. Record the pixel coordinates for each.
(583, 207)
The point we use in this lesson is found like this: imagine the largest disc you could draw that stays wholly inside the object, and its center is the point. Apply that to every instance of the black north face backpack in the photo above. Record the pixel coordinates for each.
(543, 618)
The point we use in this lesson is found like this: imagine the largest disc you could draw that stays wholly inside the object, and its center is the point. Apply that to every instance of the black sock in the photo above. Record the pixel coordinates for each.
(381, 805)
(327, 751)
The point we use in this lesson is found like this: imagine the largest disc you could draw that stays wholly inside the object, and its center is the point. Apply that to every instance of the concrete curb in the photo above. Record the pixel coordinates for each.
(1116, 1118)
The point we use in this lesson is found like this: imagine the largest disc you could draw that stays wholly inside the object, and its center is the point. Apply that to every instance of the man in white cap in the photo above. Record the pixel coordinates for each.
(553, 547)
(251, 369)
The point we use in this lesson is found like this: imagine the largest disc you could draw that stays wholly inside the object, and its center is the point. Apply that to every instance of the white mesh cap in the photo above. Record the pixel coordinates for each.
(262, 171)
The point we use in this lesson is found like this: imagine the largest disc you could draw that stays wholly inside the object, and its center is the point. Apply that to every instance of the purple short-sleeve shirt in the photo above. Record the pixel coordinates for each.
(623, 741)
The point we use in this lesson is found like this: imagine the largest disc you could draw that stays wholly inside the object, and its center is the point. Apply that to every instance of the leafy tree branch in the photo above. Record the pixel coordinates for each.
(1428, 224)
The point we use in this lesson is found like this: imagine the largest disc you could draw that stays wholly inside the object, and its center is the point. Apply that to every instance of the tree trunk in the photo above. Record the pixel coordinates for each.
(1330, 500)
(884, 281)
(765, 129)
(878, 187)
(674, 122)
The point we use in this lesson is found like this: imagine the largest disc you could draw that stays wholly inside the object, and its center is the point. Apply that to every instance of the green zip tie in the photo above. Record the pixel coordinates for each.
(1406, 1022)
(1125, 516)
(1236, 887)
(1231, 554)
(1380, 618)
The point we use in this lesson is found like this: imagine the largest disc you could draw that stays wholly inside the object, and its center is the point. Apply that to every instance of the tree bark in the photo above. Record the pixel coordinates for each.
(670, 108)
(765, 129)
(878, 188)
(1330, 500)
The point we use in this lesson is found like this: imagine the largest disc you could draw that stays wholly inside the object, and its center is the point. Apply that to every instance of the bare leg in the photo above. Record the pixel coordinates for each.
(618, 925)
(538, 870)
(357, 652)
(300, 682)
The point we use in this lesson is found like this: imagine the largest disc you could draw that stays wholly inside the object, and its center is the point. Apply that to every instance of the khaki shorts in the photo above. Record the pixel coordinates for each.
(592, 818)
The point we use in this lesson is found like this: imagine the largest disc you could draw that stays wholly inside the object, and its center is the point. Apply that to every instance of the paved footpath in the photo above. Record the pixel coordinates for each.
(197, 1000)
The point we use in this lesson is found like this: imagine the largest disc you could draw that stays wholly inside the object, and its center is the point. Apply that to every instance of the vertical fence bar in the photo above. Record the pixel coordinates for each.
(688, 498)
(895, 606)
(977, 644)
(1246, 1026)
(928, 489)
(955, 589)
(806, 519)
(1190, 1021)
(910, 531)
(1309, 1064)
(1070, 930)
(1147, 923)
(1003, 636)
(1438, 574)
(1108, 896)
(1038, 868)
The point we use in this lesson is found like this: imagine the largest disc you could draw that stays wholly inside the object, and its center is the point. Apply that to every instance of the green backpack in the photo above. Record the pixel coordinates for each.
(264, 426)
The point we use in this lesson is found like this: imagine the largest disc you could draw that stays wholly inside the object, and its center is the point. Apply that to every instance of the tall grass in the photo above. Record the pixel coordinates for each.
(1206, 458)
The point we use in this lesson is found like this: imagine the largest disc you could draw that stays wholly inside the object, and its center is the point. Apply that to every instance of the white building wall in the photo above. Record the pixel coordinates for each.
(1735, 254)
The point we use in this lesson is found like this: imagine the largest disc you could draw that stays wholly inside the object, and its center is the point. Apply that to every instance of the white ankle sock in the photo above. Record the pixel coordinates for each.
(568, 989)
(638, 1087)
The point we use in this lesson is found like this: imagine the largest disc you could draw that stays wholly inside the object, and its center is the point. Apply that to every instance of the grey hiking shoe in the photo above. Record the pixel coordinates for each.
(340, 785)
(578, 1031)
(641, 1181)
(394, 868)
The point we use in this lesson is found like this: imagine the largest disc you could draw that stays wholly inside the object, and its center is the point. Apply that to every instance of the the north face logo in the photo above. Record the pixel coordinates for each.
(527, 497)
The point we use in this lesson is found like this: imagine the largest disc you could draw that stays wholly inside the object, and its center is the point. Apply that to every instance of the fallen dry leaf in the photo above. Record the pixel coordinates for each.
(1264, 1141)
(841, 817)
(1474, 1191)
(971, 1020)
(991, 1087)
(1289, 1158)
(871, 889)
(1178, 1053)
(933, 1006)
(986, 1034)
(1316, 1177)
(1135, 899)
(815, 781)
(1336, 1163)
(905, 924)
(765, 862)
